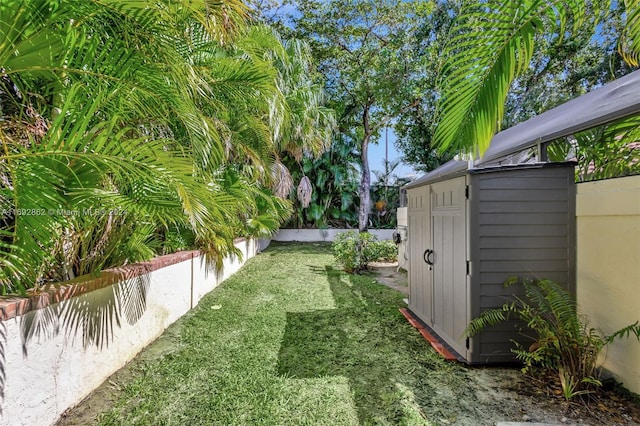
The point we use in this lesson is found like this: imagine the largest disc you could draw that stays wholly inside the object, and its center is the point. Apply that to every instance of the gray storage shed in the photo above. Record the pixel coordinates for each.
(474, 224)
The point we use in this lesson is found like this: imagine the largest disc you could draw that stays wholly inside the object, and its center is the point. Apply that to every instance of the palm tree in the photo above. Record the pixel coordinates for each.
(492, 43)
(283, 114)
(116, 133)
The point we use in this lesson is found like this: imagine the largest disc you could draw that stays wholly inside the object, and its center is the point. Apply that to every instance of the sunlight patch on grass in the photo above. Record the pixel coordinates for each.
(290, 340)
(316, 401)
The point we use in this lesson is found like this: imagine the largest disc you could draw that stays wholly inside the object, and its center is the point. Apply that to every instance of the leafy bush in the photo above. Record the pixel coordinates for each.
(385, 250)
(355, 250)
(347, 249)
(564, 346)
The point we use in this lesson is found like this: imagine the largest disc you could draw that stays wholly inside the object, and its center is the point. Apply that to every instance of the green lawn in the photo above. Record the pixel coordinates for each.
(292, 340)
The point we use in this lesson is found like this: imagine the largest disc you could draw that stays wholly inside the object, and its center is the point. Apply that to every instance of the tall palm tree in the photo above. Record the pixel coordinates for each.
(492, 43)
(311, 125)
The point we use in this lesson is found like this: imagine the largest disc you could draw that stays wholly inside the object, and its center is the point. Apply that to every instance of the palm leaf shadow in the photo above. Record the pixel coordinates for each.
(92, 316)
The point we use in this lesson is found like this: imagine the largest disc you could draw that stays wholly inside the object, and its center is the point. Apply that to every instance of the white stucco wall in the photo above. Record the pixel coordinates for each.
(327, 235)
(78, 343)
(608, 267)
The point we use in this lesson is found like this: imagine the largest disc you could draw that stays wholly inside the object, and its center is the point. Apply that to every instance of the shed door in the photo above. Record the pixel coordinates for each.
(448, 212)
(419, 236)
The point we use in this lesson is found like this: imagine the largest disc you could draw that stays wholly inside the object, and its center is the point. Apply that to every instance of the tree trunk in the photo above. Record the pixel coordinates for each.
(365, 180)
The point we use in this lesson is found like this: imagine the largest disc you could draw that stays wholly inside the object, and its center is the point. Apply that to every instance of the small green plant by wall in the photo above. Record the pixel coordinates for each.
(564, 347)
(355, 250)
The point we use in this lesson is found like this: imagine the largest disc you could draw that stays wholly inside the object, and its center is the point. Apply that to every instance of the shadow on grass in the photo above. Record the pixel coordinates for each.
(361, 339)
(278, 247)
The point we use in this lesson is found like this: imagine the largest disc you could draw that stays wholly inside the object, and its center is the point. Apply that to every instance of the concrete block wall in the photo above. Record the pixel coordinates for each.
(59, 345)
(324, 235)
(608, 267)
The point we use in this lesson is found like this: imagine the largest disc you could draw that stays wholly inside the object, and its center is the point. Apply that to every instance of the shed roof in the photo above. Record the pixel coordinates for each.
(448, 170)
(617, 99)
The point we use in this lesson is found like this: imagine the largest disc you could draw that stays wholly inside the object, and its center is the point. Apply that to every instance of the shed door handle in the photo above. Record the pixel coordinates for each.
(428, 257)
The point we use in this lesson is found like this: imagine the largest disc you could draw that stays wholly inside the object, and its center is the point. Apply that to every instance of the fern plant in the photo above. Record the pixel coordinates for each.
(564, 345)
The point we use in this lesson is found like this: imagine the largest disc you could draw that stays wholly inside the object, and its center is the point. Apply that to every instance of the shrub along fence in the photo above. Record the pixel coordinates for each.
(327, 235)
(59, 345)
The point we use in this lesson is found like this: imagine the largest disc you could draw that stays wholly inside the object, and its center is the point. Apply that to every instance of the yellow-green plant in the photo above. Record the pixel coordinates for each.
(355, 250)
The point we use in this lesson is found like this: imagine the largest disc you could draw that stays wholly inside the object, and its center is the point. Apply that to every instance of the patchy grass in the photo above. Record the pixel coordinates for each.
(291, 340)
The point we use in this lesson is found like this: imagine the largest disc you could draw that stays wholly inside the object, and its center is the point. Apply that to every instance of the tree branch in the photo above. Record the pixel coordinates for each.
(385, 120)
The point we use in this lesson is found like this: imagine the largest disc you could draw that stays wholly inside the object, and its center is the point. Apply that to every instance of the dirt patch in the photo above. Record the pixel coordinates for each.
(390, 275)
(495, 388)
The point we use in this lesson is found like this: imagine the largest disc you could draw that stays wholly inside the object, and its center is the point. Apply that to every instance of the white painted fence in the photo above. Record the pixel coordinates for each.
(57, 347)
(327, 235)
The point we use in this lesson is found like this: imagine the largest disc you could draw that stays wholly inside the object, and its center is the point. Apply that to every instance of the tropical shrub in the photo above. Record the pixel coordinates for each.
(382, 251)
(334, 188)
(355, 250)
(347, 249)
(129, 129)
(564, 346)
(386, 200)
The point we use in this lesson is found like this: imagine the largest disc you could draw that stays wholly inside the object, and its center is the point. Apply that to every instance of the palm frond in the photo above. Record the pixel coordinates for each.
(67, 172)
(491, 44)
(625, 332)
(135, 106)
(629, 44)
(486, 319)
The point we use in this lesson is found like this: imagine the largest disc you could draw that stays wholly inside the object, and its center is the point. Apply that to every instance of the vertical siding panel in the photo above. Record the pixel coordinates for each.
(520, 212)
(449, 274)
(419, 233)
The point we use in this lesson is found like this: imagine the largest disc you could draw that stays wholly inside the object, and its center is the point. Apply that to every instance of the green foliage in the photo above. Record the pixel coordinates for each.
(489, 52)
(347, 250)
(383, 251)
(564, 345)
(355, 250)
(561, 68)
(134, 128)
(385, 196)
(414, 127)
(629, 45)
(605, 152)
(385, 200)
(334, 197)
(364, 50)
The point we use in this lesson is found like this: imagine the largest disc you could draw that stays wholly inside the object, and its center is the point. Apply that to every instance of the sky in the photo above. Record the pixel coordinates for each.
(377, 154)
